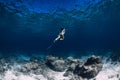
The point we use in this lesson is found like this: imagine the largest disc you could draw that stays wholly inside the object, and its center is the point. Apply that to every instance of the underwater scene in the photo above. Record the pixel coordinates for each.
(59, 39)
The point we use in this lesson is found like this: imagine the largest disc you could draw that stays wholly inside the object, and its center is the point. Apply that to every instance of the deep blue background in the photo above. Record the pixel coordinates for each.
(31, 26)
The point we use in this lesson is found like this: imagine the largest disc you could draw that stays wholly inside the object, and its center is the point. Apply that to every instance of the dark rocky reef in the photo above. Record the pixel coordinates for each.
(75, 69)
(55, 63)
(88, 69)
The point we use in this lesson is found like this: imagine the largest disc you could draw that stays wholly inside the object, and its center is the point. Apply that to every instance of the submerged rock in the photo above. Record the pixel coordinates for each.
(4, 65)
(70, 61)
(55, 64)
(2, 69)
(90, 68)
(29, 66)
(53, 67)
(71, 65)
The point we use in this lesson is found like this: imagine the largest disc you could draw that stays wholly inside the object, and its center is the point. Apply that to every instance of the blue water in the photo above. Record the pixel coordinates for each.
(31, 26)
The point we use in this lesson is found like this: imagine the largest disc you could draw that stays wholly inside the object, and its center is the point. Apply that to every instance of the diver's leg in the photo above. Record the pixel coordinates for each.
(56, 39)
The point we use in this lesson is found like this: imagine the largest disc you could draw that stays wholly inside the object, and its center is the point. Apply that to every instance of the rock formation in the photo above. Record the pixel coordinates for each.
(69, 68)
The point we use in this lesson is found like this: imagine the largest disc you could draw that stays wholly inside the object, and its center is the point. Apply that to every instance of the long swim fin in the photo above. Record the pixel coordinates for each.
(50, 46)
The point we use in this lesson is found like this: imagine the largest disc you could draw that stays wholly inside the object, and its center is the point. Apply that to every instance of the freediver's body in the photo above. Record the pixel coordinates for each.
(61, 35)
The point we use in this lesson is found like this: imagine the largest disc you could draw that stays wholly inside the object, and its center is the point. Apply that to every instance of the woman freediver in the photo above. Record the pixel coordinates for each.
(59, 37)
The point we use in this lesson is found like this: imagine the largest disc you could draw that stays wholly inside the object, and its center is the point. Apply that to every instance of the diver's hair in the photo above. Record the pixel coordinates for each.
(62, 28)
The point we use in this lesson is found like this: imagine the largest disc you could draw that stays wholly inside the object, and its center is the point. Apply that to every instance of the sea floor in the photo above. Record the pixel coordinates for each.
(10, 69)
